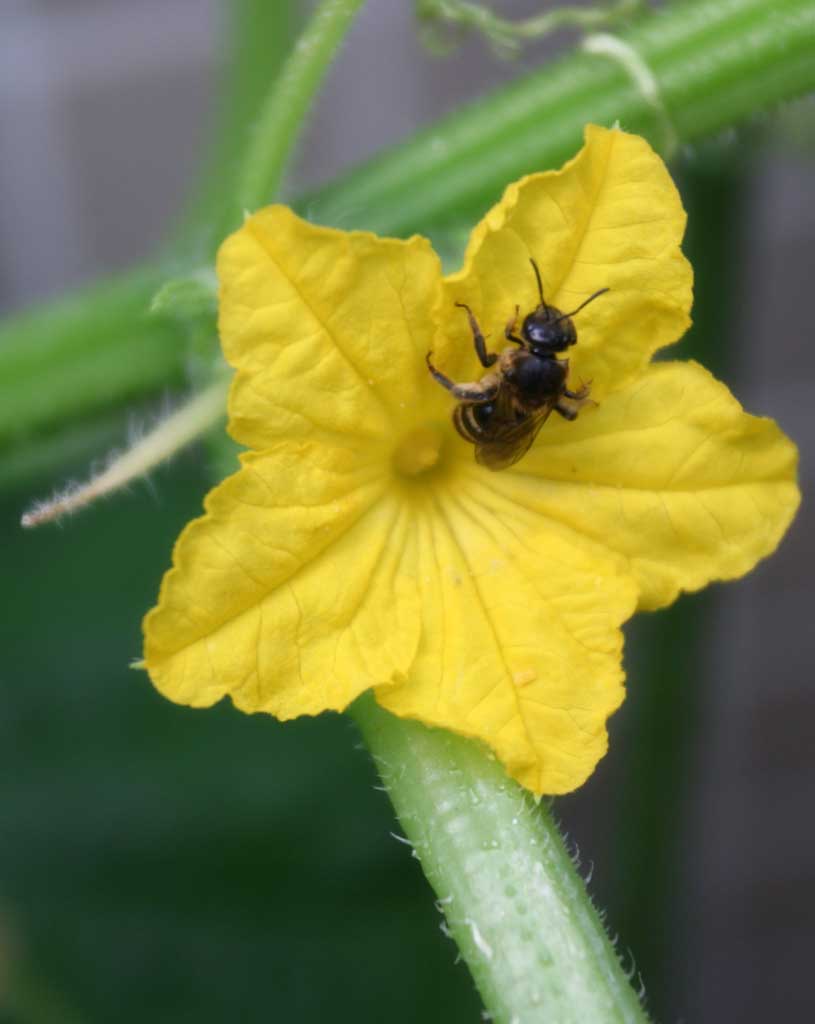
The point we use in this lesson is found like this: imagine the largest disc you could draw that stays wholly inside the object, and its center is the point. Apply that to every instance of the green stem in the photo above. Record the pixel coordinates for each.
(714, 63)
(282, 116)
(84, 353)
(513, 900)
(259, 35)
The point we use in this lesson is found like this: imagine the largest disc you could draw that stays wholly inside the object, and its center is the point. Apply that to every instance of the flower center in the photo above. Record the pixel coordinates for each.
(418, 451)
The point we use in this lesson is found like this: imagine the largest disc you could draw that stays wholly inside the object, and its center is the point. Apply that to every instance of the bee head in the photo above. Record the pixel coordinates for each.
(548, 331)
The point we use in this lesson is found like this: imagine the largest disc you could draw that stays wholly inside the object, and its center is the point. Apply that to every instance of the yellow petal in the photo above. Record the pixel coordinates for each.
(328, 329)
(611, 218)
(669, 473)
(289, 594)
(520, 642)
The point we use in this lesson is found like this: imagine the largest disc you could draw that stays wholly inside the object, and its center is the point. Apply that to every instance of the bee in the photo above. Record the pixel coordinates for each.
(502, 413)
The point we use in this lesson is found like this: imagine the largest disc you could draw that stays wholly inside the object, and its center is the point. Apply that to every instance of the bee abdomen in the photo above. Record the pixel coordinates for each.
(473, 421)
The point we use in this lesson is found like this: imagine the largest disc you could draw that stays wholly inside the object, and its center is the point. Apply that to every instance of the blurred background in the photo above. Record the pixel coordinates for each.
(168, 864)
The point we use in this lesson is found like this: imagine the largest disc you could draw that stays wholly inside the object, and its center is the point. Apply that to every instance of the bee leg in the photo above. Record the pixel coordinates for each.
(566, 412)
(581, 395)
(438, 375)
(509, 330)
(477, 392)
(485, 358)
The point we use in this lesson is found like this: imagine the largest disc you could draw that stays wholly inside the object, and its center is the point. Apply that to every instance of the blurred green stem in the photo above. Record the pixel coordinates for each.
(714, 64)
(87, 352)
(258, 37)
(283, 113)
(514, 903)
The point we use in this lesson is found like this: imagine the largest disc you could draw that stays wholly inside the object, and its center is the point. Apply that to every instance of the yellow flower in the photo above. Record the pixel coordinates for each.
(360, 545)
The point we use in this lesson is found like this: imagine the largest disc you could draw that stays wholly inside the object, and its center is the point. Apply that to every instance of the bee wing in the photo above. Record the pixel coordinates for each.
(511, 438)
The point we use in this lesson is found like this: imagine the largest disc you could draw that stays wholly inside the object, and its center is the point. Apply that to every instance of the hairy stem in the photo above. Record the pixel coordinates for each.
(179, 429)
(514, 903)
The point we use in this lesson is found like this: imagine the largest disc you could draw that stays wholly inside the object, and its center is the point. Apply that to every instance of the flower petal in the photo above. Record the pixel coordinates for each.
(328, 329)
(611, 218)
(671, 474)
(291, 600)
(520, 642)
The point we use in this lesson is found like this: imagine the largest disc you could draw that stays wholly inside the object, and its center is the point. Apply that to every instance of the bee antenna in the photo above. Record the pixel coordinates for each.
(538, 277)
(591, 298)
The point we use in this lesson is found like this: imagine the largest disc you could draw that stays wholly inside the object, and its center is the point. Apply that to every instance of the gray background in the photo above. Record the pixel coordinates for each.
(105, 106)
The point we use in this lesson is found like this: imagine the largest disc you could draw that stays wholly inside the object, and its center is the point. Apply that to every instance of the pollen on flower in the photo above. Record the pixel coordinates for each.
(418, 451)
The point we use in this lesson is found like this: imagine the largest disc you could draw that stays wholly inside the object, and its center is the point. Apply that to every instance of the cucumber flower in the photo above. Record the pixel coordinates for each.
(361, 546)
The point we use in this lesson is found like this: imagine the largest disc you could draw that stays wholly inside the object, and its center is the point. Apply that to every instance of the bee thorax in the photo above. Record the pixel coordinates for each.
(534, 380)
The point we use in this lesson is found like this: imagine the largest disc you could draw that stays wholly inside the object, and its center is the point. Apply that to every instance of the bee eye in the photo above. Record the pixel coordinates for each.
(537, 331)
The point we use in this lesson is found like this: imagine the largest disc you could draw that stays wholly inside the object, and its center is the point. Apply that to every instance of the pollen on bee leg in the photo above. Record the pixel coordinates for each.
(418, 451)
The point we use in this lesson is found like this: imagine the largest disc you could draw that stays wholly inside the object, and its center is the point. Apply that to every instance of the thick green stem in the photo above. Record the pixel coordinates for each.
(714, 63)
(282, 115)
(513, 900)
